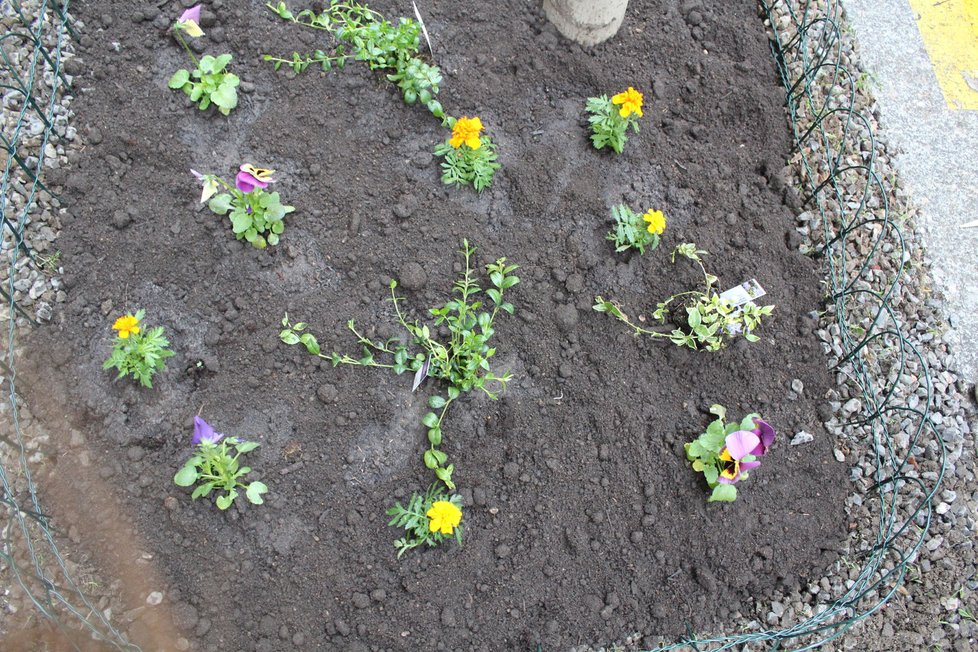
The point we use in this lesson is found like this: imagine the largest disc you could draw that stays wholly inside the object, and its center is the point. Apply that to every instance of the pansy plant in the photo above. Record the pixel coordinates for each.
(428, 519)
(209, 82)
(138, 351)
(256, 215)
(610, 119)
(726, 452)
(470, 156)
(214, 466)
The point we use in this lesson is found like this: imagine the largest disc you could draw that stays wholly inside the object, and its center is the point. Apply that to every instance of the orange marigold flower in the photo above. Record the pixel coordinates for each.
(631, 102)
(126, 325)
(466, 130)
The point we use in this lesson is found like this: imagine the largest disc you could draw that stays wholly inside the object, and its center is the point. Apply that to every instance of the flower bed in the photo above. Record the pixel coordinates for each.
(583, 520)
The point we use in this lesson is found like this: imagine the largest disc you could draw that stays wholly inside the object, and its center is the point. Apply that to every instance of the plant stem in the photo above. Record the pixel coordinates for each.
(176, 33)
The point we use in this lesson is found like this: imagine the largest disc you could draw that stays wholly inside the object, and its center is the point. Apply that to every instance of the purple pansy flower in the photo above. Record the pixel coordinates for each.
(203, 432)
(249, 177)
(739, 444)
(765, 434)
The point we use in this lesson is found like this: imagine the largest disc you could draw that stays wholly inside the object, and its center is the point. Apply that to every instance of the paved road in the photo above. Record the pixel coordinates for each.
(924, 57)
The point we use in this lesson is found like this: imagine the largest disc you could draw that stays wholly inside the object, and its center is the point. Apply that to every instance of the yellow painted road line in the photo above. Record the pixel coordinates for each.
(950, 32)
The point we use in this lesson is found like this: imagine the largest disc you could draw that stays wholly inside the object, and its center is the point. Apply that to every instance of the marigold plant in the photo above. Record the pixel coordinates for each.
(633, 231)
(137, 352)
(610, 119)
(429, 519)
(470, 156)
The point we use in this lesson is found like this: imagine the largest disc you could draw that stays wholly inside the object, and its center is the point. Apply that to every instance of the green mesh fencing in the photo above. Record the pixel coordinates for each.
(31, 81)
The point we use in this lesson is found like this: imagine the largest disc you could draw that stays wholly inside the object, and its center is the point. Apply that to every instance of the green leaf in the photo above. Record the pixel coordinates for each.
(220, 204)
(247, 446)
(240, 222)
(254, 492)
(429, 459)
(179, 78)
(445, 475)
(724, 493)
(289, 337)
(434, 436)
(226, 96)
(440, 456)
(436, 402)
(430, 420)
(223, 502)
(186, 476)
(202, 490)
(309, 341)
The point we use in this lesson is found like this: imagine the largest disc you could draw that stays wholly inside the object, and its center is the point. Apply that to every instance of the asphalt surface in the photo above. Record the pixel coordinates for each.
(923, 55)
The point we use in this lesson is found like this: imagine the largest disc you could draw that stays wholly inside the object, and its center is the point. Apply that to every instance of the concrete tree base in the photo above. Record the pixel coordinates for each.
(587, 22)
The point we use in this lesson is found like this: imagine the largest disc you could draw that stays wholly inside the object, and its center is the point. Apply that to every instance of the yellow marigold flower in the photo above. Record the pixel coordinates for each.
(631, 102)
(444, 516)
(656, 220)
(126, 325)
(466, 130)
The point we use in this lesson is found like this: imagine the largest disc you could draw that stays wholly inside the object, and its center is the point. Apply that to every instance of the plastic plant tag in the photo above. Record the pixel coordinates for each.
(424, 30)
(421, 374)
(740, 295)
(743, 293)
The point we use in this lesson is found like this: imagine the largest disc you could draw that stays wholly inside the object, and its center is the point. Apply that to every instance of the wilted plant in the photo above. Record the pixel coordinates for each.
(138, 352)
(209, 82)
(365, 35)
(634, 231)
(470, 157)
(256, 215)
(610, 119)
(710, 321)
(213, 467)
(727, 451)
(429, 519)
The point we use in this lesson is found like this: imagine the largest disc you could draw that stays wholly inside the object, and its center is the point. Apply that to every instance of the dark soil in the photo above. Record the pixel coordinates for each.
(583, 522)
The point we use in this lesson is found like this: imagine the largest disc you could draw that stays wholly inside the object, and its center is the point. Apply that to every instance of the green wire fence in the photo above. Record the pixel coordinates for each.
(31, 81)
(844, 189)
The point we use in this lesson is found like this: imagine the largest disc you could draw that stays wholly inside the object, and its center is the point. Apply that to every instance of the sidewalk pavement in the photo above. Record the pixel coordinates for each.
(923, 55)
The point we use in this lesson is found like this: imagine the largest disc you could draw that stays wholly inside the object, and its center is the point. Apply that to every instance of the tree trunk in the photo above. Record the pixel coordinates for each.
(587, 22)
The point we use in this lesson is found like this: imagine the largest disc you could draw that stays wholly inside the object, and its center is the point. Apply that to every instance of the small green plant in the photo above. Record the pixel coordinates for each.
(610, 119)
(49, 264)
(727, 451)
(429, 519)
(137, 353)
(213, 467)
(470, 158)
(365, 35)
(710, 322)
(256, 215)
(634, 231)
(209, 82)
(463, 362)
